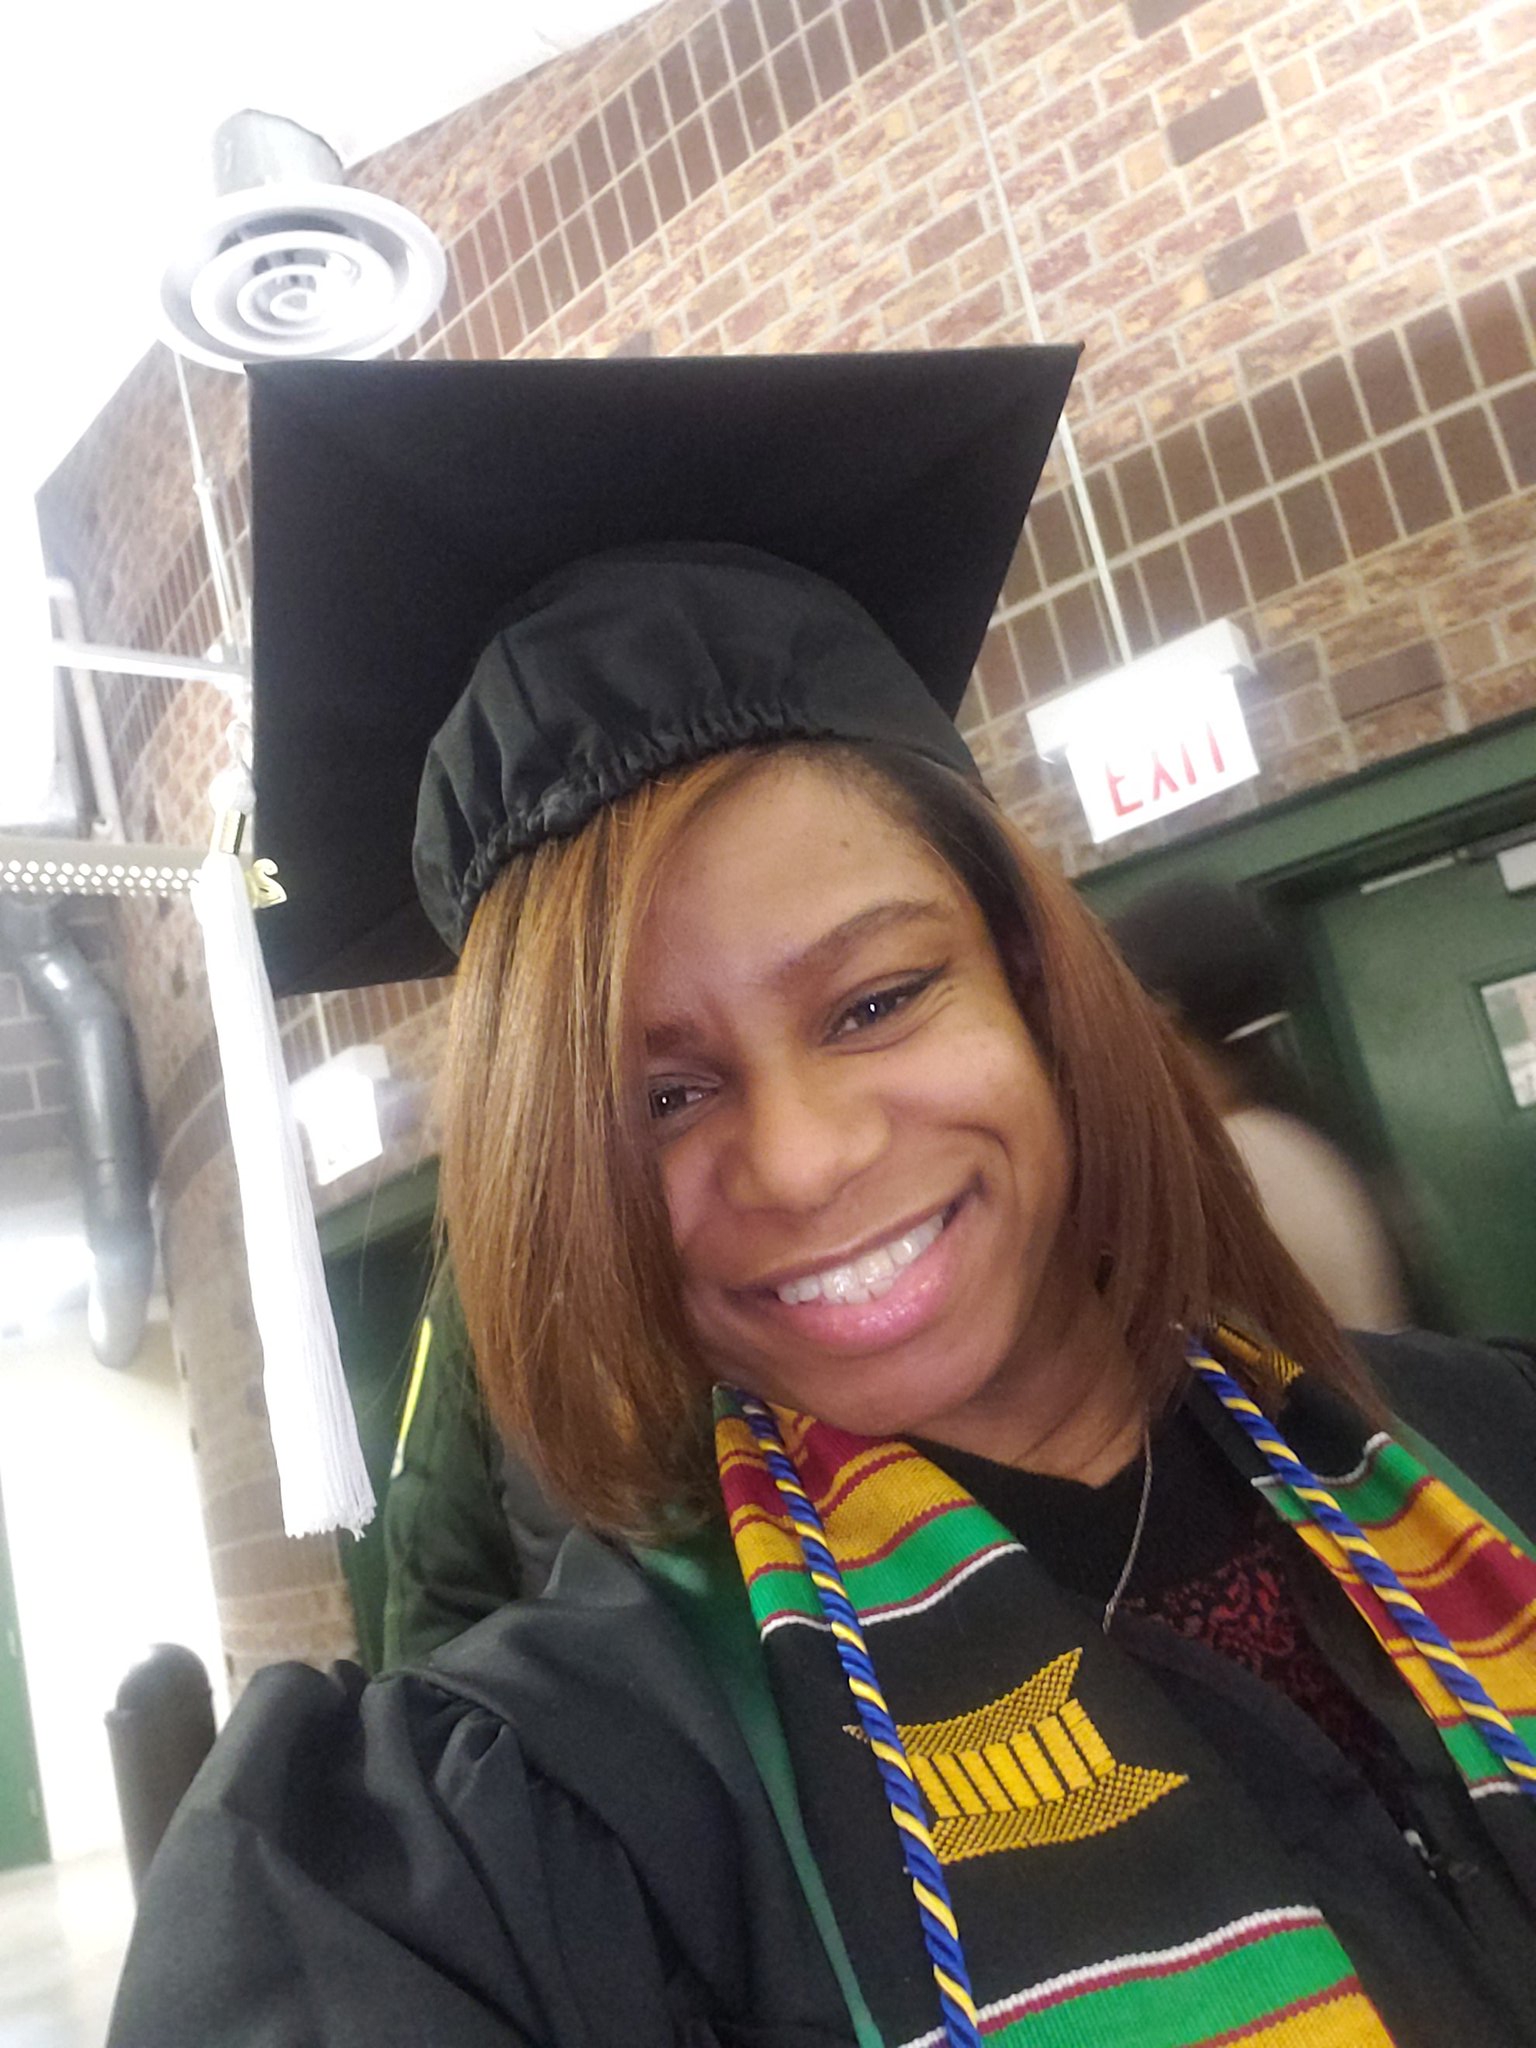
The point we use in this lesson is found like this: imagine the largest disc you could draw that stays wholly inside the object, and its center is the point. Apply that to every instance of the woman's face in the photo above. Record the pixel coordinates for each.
(862, 1158)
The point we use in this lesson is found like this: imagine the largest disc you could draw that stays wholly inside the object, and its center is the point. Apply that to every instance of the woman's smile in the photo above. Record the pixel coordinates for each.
(862, 1158)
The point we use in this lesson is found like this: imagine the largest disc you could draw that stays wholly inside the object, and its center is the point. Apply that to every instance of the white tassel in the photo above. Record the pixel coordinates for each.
(314, 1434)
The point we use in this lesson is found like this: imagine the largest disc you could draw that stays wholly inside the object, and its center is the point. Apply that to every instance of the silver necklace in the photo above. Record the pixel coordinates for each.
(1137, 1533)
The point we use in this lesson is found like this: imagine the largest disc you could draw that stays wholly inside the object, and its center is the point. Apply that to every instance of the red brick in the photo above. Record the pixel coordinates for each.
(1217, 74)
(1382, 146)
(1133, 371)
(1385, 35)
(1329, 276)
(1232, 167)
(1141, 68)
(969, 321)
(1158, 309)
(1501, 86)
(1358, 206)
(1432, 225)
(1114, 132)
(1394, 297)
(1199, 235)
(1227, 322)
(1139, 220)
(1469, 156)
(1333, 115)
(1287, 349)
(1433, 65)
(1294, 184)
(1284, 30)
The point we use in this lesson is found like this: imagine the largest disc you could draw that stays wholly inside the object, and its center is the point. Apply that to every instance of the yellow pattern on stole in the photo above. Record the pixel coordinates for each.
(1029, 1769)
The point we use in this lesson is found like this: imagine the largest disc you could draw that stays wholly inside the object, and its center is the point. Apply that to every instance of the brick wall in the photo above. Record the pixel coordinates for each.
(1298, 241)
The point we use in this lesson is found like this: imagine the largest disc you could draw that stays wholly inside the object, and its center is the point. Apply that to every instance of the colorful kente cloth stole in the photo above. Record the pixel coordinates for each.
(1013, 1824)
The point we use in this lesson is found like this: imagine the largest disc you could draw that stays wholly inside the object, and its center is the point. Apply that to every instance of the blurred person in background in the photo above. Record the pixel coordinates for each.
(1215, 963)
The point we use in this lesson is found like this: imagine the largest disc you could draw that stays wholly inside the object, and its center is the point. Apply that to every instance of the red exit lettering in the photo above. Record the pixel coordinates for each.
(1169, 769)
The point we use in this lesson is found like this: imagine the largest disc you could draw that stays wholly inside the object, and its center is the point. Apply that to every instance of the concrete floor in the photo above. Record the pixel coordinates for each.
(63, 1929)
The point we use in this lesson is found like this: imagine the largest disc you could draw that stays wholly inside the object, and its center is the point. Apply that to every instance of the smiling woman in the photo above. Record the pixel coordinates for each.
(1003, 1605)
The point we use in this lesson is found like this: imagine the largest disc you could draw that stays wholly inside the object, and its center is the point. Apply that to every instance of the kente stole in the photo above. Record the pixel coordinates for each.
(1070, 1810)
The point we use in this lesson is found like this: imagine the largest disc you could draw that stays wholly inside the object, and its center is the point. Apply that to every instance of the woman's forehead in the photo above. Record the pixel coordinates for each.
(796, 863)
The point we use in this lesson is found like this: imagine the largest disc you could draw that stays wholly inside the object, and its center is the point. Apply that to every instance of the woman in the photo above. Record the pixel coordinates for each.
(1025, 1688)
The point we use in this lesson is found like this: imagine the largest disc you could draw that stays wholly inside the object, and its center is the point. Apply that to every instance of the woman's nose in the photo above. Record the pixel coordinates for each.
(800, 1137)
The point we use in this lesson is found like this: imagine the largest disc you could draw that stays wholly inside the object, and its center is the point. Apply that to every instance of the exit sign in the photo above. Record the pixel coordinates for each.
(1154, 737)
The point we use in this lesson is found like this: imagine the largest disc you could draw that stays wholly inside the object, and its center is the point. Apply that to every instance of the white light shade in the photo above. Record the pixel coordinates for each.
(1156, 736)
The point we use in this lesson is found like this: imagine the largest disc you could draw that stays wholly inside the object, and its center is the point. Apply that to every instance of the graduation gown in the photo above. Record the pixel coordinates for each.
(558, 1836)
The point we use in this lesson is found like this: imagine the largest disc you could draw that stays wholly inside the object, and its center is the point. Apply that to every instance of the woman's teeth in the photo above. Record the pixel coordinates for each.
(868, 1278)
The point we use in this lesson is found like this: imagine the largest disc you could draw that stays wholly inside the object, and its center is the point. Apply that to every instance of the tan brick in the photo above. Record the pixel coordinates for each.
(1309, 713)
(1288, 30)
(1417, 722)
(1470, 651)
(1499, 696)
(876, 282)
(1357, 207)
(1081, 203)
(982, 261)
(1516, 186)
(1513, 79)
(1294, 185)
(1201, 390)
(1291, 83)
(940, 238)
(1434, 223)
(1052, 267)
(1468, 156)
(973, 320)
(1200, 83)
(1308, 767)
(1142, 67)
(1335, 114)
(1499, 251)
(1198, 236)
(1112, 134)
(1386, 300)
(1287, 350)
(1106, 288)
(1144, 162)
(1386, 35)
(1306, 609)
(1433, 65)
(1077, 55)
(1503, 528)
(1327, 275)
(1414, 564)
(1513, 29)
(747, 322)
(1163, 305)
(1032, 31)
(1382, 630)
(1227, 322)
(1057, 118)
(1216, 23)
(1106, 436)
(1228, 169)
(1138, 220)
(1489, 588)
(1133, 372)
(1384, 144)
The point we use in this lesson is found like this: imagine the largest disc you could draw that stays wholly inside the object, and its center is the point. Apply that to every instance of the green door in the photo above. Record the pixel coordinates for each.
(23, 1832)
(1428, 981)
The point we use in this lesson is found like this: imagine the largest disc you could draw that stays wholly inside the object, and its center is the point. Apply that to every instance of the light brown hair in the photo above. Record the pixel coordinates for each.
(552, 1204)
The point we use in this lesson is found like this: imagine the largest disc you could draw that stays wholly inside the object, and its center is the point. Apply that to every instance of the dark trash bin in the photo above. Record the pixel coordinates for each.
(159, 1732)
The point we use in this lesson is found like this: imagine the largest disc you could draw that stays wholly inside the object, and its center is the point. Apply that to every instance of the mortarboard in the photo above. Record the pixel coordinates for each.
(543, 582)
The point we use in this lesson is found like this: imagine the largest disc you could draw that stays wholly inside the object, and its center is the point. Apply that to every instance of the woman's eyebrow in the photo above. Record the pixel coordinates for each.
(831, 947)
(675, 1037)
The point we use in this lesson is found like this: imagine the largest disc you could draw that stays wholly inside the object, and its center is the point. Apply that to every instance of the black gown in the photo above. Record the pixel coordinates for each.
(557, 1836)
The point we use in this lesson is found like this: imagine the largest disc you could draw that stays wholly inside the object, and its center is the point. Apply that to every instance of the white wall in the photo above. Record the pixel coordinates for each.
(107, 1550)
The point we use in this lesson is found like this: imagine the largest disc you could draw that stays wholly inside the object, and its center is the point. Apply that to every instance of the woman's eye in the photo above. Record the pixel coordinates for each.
(670, 1098)
(880, 1004)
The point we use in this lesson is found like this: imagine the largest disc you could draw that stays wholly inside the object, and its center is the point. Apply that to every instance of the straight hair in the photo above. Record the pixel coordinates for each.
(554, 1216)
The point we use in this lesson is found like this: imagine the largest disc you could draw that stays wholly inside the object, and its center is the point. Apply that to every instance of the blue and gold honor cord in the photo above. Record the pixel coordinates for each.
(1364, 1561)
(908, 1811)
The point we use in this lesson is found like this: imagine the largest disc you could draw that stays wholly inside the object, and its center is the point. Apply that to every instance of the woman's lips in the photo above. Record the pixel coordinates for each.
(917, 1294)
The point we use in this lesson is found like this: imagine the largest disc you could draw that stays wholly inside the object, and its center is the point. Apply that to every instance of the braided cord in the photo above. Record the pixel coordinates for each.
(940, 1933)
(1364, 1560)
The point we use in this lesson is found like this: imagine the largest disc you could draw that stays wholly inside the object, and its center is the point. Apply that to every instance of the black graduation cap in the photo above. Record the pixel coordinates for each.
(587, 539)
